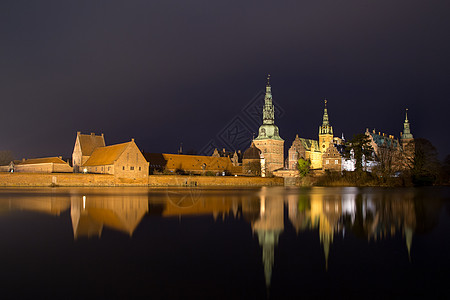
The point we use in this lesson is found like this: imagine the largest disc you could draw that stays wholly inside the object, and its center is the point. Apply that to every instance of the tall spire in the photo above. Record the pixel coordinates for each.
(406, 128)
(326, 128)
(268, 110)
(268, 129)
(325, 115)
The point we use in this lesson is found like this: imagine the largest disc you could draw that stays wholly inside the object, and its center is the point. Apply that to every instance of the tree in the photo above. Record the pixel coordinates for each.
(426, 166)
(303, 167)
(6, 157)
(446, 169)
(360, 144)
(390, 160)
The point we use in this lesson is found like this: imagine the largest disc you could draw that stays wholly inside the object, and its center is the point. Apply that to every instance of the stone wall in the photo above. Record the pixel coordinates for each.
(175, 180)
(76, 179)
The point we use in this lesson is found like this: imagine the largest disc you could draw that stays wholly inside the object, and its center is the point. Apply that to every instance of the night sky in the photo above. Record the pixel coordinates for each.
(171, 72)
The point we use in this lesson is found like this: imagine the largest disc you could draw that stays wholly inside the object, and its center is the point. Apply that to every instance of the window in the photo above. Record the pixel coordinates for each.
(327, 162)
(131, 168)
(123, 168)
(139, 168)
(336, 162)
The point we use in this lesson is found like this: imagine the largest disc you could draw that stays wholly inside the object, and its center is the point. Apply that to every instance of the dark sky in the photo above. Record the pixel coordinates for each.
(166, 72)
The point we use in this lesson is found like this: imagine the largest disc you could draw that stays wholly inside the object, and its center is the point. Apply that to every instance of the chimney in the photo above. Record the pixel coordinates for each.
(223, 150)
(132, 139)
(60, 157)
(102, 135)
(374, 130)
(92, 133)
(23, 159)
(78, 132)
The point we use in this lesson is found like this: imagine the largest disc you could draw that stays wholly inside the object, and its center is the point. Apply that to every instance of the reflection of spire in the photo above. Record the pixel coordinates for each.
(268, 241)
(409, 236)
(268, 228)
(326, 238)
(326, 250)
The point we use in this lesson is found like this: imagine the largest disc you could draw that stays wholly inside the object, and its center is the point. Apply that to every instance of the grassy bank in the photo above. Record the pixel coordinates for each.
(360, 179)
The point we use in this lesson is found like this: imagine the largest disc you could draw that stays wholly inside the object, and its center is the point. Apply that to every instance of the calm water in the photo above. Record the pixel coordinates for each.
(223, 243)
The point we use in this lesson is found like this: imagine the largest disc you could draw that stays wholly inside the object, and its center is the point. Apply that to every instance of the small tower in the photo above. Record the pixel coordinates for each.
(325, 131)
(269, 140)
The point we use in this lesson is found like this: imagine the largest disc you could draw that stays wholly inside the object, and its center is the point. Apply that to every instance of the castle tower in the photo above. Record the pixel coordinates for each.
(325, 131)
(406, 135)
(269, 140)
(407, 142)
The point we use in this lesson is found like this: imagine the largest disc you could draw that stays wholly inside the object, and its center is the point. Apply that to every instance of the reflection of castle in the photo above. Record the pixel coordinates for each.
(121, 213)
(372, 216)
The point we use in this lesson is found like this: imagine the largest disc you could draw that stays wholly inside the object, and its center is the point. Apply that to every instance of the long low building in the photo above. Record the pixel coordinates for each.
(38, 165)
(196, 164)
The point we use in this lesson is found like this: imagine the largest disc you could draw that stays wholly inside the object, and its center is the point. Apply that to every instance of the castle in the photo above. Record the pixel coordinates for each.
(265, 157)
(327, 152)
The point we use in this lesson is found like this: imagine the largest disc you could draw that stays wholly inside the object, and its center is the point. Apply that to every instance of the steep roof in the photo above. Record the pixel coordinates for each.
(195, 162)
(384, 141)
(89, 142)
(252, 153)
(106, 155)
(309, 145)
(156, 160)
(332, 151)
(43, 160)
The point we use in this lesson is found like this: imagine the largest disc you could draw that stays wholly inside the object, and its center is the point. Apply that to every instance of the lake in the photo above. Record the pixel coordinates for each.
(260, 243)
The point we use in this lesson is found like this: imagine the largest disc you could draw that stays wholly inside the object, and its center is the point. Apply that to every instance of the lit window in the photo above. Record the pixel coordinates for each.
(327, 162)
(336, 162)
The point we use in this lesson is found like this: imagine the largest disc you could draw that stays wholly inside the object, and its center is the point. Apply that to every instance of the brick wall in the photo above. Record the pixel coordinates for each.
(76, 179)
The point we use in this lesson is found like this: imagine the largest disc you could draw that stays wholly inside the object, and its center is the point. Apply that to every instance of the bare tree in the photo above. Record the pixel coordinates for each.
(426, 165)
(6, 157)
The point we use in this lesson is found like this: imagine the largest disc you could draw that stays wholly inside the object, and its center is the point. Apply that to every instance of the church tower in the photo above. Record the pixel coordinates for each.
(325, 131)
(269, 141)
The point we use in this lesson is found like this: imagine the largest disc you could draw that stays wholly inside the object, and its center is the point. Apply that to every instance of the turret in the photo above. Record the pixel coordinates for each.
(325, 131)
(268, 110)
(406, 135)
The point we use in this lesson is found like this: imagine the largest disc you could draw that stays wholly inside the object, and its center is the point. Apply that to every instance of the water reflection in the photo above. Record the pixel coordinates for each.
(370, 214)
(118, 212)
